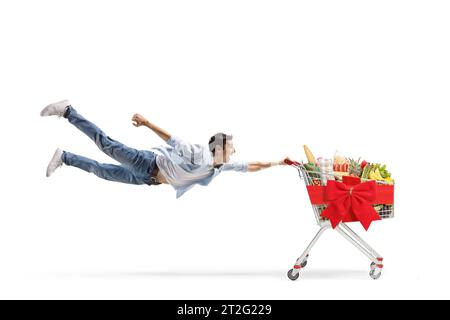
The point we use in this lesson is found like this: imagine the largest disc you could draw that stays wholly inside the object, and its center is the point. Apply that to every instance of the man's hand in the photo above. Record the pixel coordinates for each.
(139, 120)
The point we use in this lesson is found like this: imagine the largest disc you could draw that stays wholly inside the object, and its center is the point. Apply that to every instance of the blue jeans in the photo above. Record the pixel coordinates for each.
(136, 165)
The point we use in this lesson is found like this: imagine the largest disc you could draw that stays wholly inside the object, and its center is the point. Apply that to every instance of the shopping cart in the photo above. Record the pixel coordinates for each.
(385, 211)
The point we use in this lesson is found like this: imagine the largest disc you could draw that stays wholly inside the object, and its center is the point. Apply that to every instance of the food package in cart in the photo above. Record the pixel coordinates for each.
(340, 166)
(340, 163)
(326, 169)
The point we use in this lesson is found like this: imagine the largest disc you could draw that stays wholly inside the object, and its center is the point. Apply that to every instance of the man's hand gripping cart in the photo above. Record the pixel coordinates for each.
(335, 203)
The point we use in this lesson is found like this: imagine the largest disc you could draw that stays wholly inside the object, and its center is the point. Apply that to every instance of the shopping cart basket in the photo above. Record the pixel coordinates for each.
(384, 211)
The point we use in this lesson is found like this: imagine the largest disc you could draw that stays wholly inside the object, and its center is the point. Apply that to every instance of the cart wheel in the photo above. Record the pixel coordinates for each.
(373, 265)
(304, 263)
(291, 275)
(375, 274)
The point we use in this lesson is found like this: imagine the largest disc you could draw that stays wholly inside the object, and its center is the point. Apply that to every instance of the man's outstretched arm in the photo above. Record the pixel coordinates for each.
(139, 120)
(257, 166)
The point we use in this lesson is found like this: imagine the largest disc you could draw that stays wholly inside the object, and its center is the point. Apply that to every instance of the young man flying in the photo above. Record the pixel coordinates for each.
(178, 163)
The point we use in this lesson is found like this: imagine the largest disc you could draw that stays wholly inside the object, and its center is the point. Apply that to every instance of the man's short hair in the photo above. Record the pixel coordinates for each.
(219, 139)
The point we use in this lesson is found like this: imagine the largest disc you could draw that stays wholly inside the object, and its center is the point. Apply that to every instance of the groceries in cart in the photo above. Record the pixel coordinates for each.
(321, 169)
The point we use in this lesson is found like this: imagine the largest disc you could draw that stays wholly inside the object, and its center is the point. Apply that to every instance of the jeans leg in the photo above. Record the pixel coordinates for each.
(106, 171)
(116, 150)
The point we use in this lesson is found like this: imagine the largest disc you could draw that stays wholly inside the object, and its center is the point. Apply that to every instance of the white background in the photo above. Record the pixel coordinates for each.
(368, 78)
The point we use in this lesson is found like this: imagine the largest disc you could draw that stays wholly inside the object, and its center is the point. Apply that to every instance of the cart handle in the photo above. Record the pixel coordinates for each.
(291, 163)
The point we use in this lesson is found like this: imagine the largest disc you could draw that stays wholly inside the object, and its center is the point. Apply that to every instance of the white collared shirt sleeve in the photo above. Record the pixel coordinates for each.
(236, 166)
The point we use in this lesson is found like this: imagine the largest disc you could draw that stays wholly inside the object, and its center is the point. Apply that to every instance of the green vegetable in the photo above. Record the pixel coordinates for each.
(378, 208)
(382, 168)
(312, 168)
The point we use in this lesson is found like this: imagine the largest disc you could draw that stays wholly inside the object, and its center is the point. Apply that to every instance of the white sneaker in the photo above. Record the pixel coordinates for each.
(55, 109)
(55, 162)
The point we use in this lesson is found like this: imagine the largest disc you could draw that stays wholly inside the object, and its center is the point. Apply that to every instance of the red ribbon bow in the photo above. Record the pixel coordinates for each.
(344, 200)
